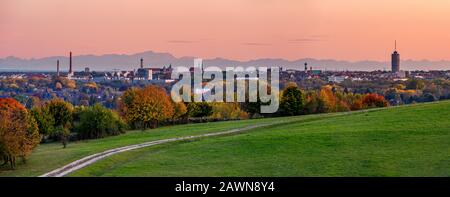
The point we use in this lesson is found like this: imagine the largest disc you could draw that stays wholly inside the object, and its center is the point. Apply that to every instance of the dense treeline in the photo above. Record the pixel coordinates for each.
(328, 99)
(403, 92)
(22, 129)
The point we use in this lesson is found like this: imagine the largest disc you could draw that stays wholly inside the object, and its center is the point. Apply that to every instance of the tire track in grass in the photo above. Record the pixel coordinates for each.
(88, 160)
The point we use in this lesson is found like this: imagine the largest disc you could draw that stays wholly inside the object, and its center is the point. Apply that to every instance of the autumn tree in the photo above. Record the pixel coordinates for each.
(311, 102)
(18, 132)
(374, 100)
(329, 99)
(354, 101)
(146, 106)
(179, 110)
(227, 111)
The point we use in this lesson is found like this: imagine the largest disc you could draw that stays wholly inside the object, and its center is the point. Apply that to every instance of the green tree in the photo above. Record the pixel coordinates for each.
(292, 101)
(44, 119)
(415, 84)
(97, 122)
(60, 113)
(199, 109)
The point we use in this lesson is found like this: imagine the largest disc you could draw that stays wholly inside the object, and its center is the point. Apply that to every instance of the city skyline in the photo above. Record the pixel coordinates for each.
(242, 30)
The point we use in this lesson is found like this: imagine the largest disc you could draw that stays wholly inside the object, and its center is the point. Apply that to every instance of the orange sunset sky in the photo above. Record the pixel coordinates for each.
(237, 29)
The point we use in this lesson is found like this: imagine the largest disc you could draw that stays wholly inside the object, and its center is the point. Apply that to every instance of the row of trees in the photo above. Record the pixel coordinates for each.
(57, 118)
(21, 129)
(147, 107)
(328, 99)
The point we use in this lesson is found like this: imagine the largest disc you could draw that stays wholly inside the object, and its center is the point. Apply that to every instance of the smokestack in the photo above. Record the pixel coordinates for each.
(142, 63)
(57, 68)
(70, 62)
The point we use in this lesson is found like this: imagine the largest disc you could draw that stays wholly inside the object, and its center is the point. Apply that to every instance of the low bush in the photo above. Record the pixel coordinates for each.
(97, 122)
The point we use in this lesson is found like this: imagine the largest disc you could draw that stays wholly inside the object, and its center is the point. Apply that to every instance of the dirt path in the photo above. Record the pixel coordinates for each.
(88, 160)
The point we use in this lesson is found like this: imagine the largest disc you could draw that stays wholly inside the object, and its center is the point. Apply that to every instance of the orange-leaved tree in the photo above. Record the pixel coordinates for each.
(146, 107)
(179, 110)
(329, 99)
(374, 100)
(19, 133)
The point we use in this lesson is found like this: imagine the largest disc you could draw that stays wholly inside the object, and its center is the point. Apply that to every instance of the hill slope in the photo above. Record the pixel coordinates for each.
(399, 141)
(47, 157)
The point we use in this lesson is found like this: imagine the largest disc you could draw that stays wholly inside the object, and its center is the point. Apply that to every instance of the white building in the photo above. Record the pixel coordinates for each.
(336, 79)
(198, 64)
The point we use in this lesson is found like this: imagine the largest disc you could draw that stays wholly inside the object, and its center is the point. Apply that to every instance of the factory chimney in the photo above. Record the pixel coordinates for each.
(70, 63)
(57, 68)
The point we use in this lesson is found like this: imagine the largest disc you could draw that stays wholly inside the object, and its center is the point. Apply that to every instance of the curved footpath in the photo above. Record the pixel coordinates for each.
(88, 160)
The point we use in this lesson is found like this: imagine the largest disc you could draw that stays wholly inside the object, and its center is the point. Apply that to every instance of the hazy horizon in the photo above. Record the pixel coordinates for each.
(66, 54)
(159, 59)
(349, 30)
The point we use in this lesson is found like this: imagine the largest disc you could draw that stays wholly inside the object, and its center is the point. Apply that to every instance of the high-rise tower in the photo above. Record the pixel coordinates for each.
(198, 64)
(142, 63)
(395, 61)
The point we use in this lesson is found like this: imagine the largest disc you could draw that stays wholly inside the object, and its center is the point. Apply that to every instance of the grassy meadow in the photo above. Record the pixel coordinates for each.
(399, 141)
(409, 140)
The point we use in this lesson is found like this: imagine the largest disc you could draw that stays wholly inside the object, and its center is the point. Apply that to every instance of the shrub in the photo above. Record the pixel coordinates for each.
(226, 111)
(98, 122)
(374, 100)
(179, 110)
(199, 109)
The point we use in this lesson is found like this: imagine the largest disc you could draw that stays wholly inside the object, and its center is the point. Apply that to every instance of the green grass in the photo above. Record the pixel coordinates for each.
(47, 157)
(400, 141)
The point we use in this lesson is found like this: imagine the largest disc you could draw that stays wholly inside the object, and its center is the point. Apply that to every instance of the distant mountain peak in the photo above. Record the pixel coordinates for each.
(160, 59)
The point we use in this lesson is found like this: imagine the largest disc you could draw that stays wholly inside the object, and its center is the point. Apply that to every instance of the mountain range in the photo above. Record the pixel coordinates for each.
(156, 59)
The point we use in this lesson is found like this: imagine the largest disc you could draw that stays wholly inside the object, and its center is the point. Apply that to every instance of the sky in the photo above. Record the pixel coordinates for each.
(350, 30)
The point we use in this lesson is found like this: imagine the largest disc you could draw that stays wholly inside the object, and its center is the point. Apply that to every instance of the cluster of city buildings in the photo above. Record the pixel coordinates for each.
(111, 84)
(142, 74)
(340, 76)
(163, 75)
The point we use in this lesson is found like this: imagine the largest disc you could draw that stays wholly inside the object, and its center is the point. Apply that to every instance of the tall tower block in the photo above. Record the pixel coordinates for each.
(142, 63)
(198, 64)
(395, 60)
